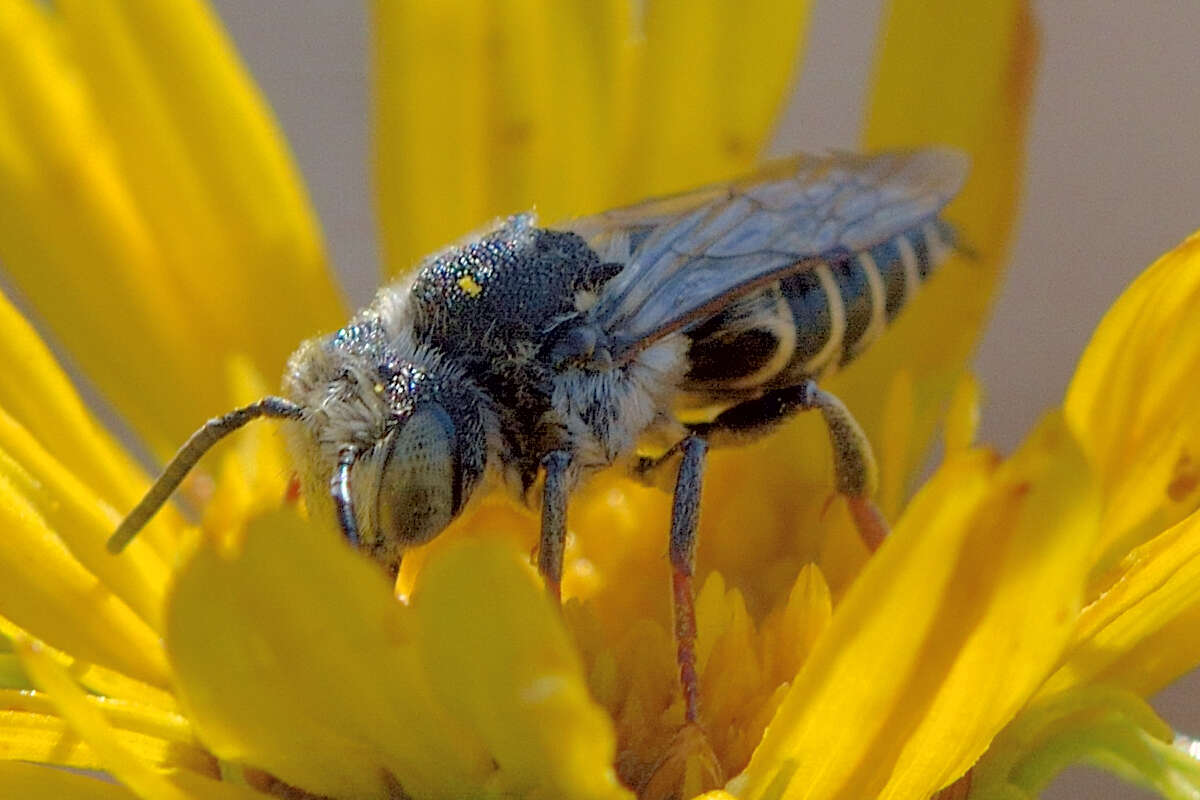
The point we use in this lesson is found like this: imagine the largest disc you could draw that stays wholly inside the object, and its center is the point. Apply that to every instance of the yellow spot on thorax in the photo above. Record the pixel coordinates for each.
(469, 285)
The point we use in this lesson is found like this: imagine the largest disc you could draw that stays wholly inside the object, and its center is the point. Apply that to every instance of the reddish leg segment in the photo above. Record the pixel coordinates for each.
(872, 527)
(685, 519)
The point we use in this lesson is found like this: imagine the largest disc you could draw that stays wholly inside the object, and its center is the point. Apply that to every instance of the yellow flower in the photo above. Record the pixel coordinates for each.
(151, 218)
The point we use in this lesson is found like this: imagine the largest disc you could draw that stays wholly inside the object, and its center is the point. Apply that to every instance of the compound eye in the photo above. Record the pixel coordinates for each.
(419, 485)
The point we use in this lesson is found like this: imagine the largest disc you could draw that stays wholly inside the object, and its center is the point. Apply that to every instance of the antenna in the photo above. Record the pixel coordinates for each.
(196, 446)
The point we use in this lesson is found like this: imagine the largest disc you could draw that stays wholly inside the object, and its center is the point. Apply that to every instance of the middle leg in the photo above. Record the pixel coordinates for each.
(854, 467)
(554, 522)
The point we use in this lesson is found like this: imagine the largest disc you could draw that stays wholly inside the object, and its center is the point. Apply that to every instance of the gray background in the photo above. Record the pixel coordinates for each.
(1113, 178)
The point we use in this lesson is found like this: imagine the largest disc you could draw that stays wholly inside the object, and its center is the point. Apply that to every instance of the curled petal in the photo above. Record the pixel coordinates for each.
(1124, 402)
(1137, 634)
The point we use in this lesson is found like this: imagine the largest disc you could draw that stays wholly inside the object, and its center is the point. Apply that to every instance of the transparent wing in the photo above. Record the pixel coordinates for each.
(690, 255)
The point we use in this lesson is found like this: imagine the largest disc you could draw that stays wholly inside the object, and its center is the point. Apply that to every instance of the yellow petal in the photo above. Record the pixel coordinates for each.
(800, 625)
(909, 572)
(96, 679)
(956, 74)
(121, 714)
(976, 560)
(962, 420)
(123, 762)
(147, 208)
(31, 730)
(291, 654)
(1125, 401)
(78, 247)
(1156, 658)
(191, 126)
(431, 120)
(61, 602)
(570, 106)
(1135, 633)
(49, 740)
(744, 670)
(1017, 606)
(713, 77)
(513, 108)
(82, 521)
(499, 659)
(38, 394)
(33, 782)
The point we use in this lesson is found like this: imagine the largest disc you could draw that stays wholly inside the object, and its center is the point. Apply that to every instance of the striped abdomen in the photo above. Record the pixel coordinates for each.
(820, 318)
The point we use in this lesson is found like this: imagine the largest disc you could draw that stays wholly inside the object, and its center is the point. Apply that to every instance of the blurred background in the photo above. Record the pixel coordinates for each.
(1113, 179)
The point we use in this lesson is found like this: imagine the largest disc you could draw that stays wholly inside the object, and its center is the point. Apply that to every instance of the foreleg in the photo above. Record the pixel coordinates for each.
(554, 522)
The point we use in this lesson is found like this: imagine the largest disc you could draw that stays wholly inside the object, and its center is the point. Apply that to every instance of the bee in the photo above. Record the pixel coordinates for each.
(549, 353)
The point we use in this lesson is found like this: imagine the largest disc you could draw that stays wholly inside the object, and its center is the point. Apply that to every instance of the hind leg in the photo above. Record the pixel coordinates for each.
(854, 464)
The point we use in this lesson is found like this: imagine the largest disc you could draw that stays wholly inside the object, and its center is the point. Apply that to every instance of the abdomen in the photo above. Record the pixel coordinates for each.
(806, 324)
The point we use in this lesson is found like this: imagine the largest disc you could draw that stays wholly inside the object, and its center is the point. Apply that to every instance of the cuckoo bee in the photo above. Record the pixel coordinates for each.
(534, 352)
